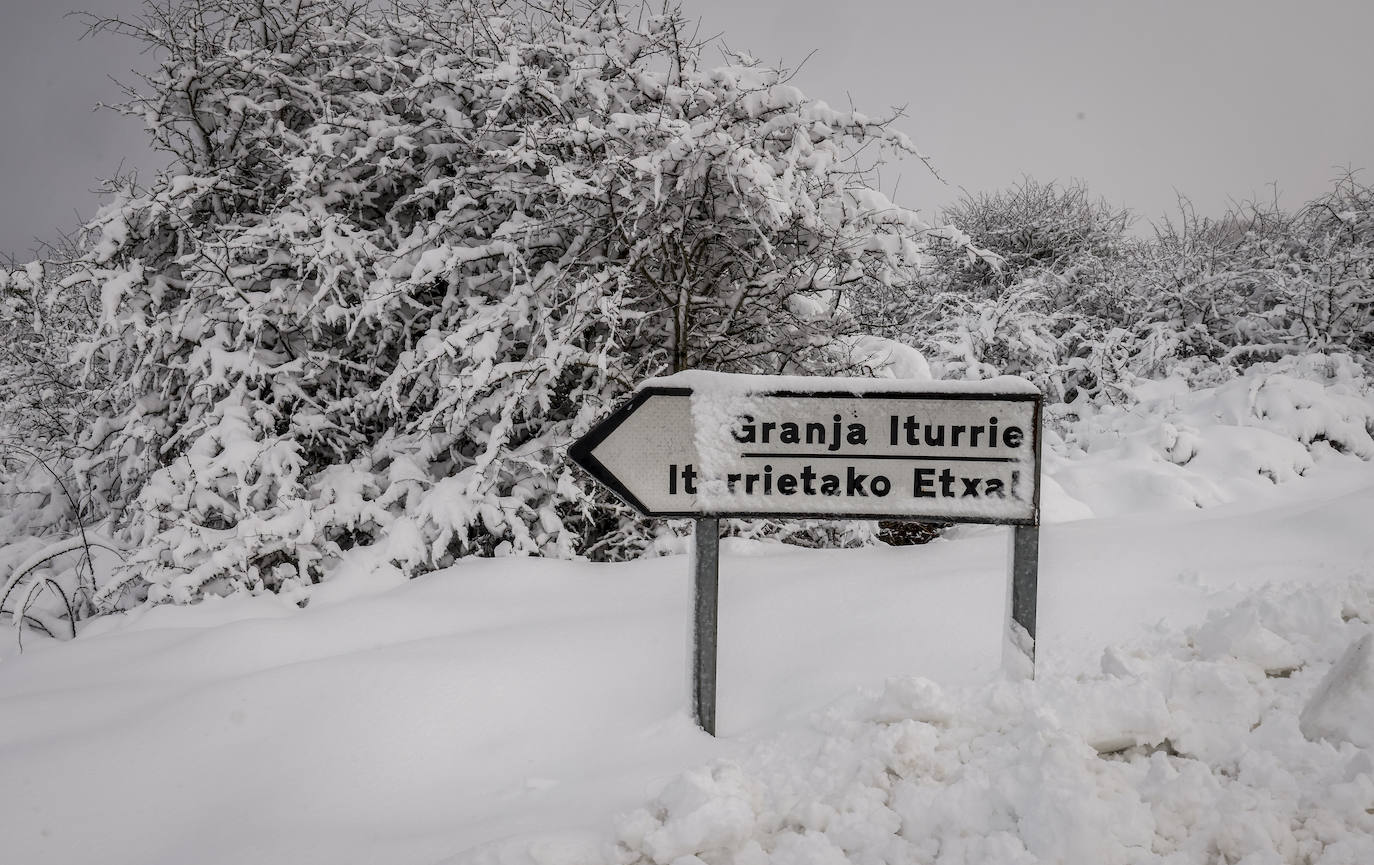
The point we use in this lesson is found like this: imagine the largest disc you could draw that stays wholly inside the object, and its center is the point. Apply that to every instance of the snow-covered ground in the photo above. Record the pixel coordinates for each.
(1204, 693)
(529, 711)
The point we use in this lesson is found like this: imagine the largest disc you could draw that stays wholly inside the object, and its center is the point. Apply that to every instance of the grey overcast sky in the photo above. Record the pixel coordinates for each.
(1219, 100)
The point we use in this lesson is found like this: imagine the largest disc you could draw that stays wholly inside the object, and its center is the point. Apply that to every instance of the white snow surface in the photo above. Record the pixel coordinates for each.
(1203, 691)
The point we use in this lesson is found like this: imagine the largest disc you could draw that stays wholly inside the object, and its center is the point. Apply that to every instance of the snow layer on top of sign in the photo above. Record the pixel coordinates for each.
(703, 381)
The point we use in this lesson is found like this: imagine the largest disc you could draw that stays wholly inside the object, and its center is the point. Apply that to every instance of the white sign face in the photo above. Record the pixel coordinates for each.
(969, 456)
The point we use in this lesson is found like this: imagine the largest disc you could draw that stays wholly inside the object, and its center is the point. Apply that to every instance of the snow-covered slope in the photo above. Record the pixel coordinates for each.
(535, 711)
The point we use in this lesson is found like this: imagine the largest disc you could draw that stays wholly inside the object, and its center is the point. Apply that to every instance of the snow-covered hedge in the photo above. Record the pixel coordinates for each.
(1080, 306)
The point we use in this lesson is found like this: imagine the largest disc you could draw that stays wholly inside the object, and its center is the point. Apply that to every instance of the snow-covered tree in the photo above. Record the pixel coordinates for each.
(405, 253)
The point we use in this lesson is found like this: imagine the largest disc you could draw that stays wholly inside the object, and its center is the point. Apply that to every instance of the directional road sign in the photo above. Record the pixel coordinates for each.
(708, 444)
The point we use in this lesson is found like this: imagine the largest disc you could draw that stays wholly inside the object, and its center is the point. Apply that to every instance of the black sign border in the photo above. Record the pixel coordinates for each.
(580, 452)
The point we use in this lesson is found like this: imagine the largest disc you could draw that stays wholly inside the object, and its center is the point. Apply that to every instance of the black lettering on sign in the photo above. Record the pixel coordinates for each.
(688, 474)
(748, 431)
(907, 430)
(930, 483)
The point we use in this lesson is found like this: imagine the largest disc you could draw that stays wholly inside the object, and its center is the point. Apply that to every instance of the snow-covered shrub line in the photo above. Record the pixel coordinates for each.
(1080, 306)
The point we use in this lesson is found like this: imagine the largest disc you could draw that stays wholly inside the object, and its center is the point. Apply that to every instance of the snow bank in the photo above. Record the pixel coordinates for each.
(1186, 751)
(1167, 446)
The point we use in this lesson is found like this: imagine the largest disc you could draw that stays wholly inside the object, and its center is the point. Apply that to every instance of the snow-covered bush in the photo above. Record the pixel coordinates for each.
(1083, 309)
(49, 565)
(1036, 230)
(1263, 282)
(1046, 297)
(41, 319)
(404, 254)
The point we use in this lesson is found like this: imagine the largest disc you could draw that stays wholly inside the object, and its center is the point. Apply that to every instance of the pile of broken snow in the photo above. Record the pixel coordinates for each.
(1248, 739)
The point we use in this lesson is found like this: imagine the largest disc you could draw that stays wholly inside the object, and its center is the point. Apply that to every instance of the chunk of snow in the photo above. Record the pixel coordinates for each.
(1342, 707)
(911, 698)
(1239, 634)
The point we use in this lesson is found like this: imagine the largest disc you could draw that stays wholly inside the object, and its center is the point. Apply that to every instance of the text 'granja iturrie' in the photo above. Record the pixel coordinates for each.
(919, 439)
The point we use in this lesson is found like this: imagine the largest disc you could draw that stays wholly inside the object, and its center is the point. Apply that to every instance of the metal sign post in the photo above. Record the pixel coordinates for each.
(1023, 577)
(712, 445)
(705, 606)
